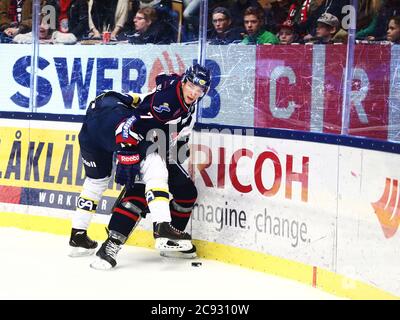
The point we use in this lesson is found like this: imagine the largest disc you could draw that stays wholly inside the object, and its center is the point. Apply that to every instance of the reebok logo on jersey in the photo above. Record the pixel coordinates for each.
(387, 209)
(132, 159)
(163, 107)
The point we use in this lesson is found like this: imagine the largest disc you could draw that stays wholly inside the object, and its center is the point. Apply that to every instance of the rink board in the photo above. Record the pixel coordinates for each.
(287, 87)
(271, 207)
(279, 197)
(69, 79)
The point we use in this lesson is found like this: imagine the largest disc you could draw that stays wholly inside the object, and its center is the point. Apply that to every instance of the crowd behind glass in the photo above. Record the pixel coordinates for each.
(246, 22)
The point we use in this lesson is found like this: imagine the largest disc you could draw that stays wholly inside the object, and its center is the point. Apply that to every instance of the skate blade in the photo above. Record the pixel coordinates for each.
(100, 264)
(80, 252)
(179, 245)
(178, 255)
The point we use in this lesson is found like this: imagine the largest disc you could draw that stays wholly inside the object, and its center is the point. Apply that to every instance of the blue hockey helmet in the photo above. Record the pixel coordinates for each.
(198, 75)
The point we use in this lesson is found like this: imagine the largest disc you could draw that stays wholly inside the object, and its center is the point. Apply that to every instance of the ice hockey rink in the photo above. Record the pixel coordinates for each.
(36, 265)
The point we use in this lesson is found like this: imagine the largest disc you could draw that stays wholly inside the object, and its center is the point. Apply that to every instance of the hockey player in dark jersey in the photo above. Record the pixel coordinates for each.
(122, 123)
(131, 207)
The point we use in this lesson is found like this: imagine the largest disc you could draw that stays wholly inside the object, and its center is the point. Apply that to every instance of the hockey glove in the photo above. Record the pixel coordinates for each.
(135, 99)
(183, 149)
(128, 167)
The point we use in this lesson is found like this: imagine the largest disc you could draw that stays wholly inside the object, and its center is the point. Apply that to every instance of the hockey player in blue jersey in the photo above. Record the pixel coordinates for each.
(122, 124)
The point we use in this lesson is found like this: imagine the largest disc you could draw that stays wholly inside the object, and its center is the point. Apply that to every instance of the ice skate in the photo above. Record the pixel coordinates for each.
(81, 245)
(187, 254)
(107, 254)
(164, 231)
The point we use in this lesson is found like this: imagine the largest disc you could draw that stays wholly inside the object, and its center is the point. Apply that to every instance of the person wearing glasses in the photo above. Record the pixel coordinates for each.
(148, 29)
(223, 32)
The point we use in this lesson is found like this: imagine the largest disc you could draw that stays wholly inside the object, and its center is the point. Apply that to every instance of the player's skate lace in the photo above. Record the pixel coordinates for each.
(111, 249)
(176, 230)
(166, 230)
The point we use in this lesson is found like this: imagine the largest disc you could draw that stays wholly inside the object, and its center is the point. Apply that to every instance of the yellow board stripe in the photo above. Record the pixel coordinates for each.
(326, 280)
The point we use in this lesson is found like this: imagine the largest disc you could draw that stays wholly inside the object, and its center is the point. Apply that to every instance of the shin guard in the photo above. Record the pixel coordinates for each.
(127, 211)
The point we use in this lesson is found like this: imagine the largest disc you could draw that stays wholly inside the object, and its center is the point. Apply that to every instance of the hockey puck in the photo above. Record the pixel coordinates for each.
(196, 264)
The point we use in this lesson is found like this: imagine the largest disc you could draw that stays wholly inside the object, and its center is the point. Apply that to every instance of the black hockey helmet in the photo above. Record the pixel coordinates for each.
(198, 75)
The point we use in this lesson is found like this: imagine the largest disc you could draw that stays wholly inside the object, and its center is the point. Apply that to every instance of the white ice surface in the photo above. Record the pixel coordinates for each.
(35, 265)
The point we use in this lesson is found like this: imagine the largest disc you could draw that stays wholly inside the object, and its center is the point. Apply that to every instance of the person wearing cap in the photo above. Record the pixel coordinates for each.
(327, 26)
(253, 19)
(223, 32)
(287, 33)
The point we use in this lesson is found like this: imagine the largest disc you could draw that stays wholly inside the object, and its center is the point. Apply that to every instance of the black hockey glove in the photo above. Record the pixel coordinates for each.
(183, 149)
(128, 167)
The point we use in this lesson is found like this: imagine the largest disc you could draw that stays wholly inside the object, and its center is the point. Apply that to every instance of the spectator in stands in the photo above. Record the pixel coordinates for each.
(159, 5)
(46, 35)
(222, 32)
(107, 15)
(367, 11)
(148, 29)
(191, 14)
(367, 17)
(390, 8)
(253, 18)
(4, 19)
(287, 33)
(5, 37)
(327, 26)
(163, 8)
(306, 20)
(280, 12)
(237, 8)
(393, 31)
(165, 15)
(72, 17)
(15, 18)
